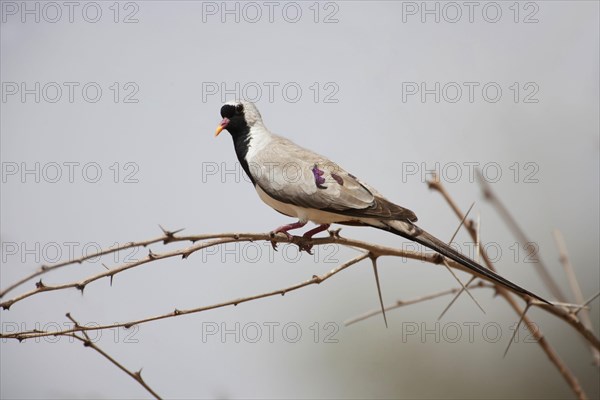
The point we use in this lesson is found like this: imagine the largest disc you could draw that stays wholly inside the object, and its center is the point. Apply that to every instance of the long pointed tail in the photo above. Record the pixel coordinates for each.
(416, 234)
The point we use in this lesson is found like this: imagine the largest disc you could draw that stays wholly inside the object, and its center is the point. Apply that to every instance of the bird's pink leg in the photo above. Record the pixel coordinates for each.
(310, 234)
(289, 227)
(316, 230)
(285, 229)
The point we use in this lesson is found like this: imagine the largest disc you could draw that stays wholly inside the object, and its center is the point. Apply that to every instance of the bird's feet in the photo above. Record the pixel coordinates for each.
(284, 229)
(303, 242)
(304, 245)
(273, 234)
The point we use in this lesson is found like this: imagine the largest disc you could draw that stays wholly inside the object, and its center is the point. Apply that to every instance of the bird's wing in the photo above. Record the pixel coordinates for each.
(294, 175)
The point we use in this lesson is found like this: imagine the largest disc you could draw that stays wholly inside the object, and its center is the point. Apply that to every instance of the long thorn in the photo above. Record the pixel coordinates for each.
(462, 222)
(455, 298)
(374, 262)
(463, 286)
(516, 329)
(584, 305)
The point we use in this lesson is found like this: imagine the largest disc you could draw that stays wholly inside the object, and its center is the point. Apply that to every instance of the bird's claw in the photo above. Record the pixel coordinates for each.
(274, 233)
(334, 233)
(274, 245)
(303, 246)
(307, 248)
(302, 242)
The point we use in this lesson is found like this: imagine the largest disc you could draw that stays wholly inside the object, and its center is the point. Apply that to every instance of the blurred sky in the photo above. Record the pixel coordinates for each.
(132, 91)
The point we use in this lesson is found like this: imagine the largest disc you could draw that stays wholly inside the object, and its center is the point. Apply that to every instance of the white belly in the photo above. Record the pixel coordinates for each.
(303, 214)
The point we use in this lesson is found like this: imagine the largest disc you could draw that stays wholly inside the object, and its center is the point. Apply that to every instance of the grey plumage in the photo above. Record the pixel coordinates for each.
(284, 171)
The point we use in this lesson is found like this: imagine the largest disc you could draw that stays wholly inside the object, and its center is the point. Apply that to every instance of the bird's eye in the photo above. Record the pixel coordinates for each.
(239, 108)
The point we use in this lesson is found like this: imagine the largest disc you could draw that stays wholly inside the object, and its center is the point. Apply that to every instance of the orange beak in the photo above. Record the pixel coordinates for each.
(222, 126)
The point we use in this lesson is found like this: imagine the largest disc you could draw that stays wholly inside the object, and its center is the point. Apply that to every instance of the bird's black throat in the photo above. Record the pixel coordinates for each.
(241, 143)
(238, 128)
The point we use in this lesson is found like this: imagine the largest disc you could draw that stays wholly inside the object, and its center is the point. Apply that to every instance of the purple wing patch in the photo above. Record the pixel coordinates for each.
(319, 180)
(338, 179)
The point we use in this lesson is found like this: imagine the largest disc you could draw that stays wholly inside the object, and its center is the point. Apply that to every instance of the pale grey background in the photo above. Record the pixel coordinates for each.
(169, 53)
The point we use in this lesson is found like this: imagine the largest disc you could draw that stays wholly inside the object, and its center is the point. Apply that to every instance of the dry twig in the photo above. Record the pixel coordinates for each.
(571, 380)
(575, 288)
(87, 342)
(521, 237)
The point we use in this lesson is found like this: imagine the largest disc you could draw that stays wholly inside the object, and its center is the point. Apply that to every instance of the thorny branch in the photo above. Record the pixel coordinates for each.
(47, 268)
(575, 288)
(208, 240)
(572, 381)
(404, 303)
(87, 342)
(521, 237)
(564, 311)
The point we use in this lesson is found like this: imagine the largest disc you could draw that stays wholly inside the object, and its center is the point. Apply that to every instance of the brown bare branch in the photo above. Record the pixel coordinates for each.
(575, 288)
(540, 267)
(314, 280)
(535, 331)
(87, 342)
(403, 303)
(219, 239)
(43, 269)
(563, 313)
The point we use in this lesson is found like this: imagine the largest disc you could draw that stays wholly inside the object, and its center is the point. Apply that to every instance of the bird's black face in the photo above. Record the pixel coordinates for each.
(234, 120)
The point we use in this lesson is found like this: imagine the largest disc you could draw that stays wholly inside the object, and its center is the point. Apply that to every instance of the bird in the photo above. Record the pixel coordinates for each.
(302, 184)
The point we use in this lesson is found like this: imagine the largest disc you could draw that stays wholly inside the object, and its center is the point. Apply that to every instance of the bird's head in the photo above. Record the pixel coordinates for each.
(238, 116)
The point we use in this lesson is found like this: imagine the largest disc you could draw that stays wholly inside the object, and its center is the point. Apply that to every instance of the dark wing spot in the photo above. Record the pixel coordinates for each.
(338, 179)
(319, 180)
